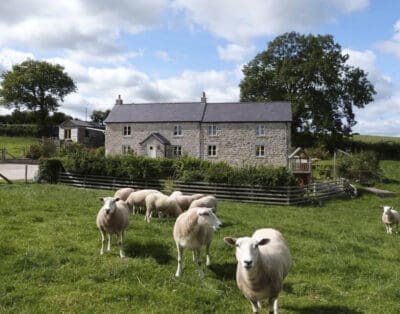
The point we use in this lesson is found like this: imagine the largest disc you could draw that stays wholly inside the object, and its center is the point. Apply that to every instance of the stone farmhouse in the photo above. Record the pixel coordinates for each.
(236, 132)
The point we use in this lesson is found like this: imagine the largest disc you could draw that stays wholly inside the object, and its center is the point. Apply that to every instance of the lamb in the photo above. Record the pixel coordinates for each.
(390, 217)
(113, 217)
(206, 201)
(137, 200)
(194, 229)
(184, 201)
(162, 204)
(123, 193)
(263, 262)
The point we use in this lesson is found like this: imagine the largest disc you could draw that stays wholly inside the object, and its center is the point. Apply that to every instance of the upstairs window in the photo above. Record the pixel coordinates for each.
(177, 130)
(127, 130)
(212, 150)
(260, 130)
(260, 151)
(212, 130)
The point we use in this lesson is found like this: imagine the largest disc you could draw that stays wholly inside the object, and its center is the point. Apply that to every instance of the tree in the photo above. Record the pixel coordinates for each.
(99, 116)
(36, 85)
(313, 74)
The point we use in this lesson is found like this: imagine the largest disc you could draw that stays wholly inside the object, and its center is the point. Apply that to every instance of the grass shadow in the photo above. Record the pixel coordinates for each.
(224, 271)
(323, 309)
(155, 250)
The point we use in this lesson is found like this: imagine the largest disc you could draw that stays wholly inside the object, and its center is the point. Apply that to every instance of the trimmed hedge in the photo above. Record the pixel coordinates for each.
(31, 130)
(185, 169)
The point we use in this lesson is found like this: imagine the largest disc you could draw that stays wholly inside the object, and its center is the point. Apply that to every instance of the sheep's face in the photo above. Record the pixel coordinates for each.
(387, 209)
(109, 204)
(246, 250)
(208, 217)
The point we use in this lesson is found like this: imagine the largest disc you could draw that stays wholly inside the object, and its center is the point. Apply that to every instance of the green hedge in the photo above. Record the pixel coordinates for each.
(31, 130)
(186, 169)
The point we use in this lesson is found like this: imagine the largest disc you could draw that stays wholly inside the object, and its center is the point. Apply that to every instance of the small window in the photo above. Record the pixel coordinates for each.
(126, 149)
(178, 130)
(177, 151)
(260, 130)
(260, 151)
(127, 130)
(67, 134)
(212, 150)
(212, 130)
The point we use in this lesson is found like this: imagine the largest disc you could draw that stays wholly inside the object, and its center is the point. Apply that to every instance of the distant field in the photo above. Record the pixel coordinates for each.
(17, 146)
(375, 139)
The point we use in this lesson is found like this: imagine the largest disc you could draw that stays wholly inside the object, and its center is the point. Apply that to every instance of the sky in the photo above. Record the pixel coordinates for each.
(173, 50)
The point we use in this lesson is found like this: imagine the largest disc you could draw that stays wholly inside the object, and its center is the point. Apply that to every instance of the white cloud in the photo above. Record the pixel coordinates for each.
(9, 57)
(234, 52)
(239, 21)
(392, 46)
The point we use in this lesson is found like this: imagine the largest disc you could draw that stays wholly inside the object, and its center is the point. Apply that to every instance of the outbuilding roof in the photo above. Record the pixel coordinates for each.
(80, 124)
(201, 112)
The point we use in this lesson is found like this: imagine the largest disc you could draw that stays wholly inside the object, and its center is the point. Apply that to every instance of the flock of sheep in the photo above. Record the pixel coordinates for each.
(263, 260)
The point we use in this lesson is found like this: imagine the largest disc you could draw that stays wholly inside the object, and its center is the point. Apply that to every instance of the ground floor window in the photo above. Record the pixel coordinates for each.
(126, 149)
(177, 151)
(260, 151)
(212, 150)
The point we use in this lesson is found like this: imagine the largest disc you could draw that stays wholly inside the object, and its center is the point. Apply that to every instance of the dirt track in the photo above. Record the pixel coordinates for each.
(17, 171)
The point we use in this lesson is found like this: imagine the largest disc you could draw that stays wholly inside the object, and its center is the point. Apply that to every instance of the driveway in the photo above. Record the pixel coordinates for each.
(17, 171)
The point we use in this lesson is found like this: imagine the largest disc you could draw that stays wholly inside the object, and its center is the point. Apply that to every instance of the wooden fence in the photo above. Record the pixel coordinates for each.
(272, 195)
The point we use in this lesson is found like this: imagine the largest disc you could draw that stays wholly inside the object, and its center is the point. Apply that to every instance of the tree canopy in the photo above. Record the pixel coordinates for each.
(313, 74)
(99, 116)
(38, 86)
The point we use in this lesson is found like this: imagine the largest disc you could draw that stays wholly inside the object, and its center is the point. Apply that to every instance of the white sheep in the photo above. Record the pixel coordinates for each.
(113, 217)
(390, 217)
(161, 204)
(137, 200)
(206, 201)
(263, 262)
(184, 201)
(194, 229)
(124, 193)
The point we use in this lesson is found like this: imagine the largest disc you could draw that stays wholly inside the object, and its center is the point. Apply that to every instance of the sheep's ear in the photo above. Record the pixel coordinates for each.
(101, 199)
(230, 241)
(116, 199)
(204, 212)
(263, 241)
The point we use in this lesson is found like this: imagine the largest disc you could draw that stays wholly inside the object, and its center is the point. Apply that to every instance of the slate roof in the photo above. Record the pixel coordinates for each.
(202, 112)
(79, 123)
(158, 137)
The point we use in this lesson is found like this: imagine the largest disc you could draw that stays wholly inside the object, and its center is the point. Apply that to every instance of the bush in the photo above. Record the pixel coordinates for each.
(45, 149)
(31, 130)
(49, 169)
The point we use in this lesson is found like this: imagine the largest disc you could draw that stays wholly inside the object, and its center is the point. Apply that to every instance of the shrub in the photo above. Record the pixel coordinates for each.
(49, 169)
(45, 149)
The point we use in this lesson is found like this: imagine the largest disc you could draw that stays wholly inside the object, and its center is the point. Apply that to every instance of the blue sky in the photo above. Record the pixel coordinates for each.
(160, 50)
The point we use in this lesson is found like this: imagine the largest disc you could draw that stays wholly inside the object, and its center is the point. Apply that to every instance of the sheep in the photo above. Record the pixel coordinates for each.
(113, 217)
(206, 201)
(194, 229)
(137, 200)
(123, 193)
(184, 201)
(264, 261)
(162, 204)
(390, 217)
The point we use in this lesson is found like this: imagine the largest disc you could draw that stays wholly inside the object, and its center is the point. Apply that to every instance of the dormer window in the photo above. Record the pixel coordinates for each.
(178, 130)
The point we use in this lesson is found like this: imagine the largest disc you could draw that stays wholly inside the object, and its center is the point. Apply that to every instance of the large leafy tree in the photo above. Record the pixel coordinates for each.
(312, 73)
(99, 116)
(38, 86)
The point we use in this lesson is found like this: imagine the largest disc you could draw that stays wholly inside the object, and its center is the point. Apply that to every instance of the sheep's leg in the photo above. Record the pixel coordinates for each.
(389, 229)
(109, 242)
(103, 240)
(149, 213)
(254, 305)
(198, 256)
(273, 305)
(208, 257)
(180, 260)
(120, 243)
(194, 256)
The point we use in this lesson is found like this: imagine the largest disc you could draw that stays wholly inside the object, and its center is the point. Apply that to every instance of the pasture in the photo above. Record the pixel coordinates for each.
(17, 146)
(343, 261)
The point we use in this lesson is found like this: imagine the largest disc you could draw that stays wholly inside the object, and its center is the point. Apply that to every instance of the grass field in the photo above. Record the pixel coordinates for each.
(375, 139)
(17, 146)
(343, 262)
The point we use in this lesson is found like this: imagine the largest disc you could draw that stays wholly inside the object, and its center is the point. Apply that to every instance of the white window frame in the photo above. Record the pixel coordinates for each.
(260, 151)
(126, 149)
(260, 130)
(212, 150)
(177, 151)
(127, 131)
(212, 130)
(178, 130)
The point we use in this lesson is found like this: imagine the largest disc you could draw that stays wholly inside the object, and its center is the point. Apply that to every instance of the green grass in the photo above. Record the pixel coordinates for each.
(375, 139)
(17, 146)
(343, 262)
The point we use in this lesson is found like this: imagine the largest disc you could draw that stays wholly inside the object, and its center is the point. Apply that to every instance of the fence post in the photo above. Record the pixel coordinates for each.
(26, 173)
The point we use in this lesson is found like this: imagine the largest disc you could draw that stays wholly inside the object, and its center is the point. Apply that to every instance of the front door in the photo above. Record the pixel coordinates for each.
(151, 151)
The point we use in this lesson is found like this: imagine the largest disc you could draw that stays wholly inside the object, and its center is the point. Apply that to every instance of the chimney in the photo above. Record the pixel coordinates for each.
(203, 98)
(118, 101)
